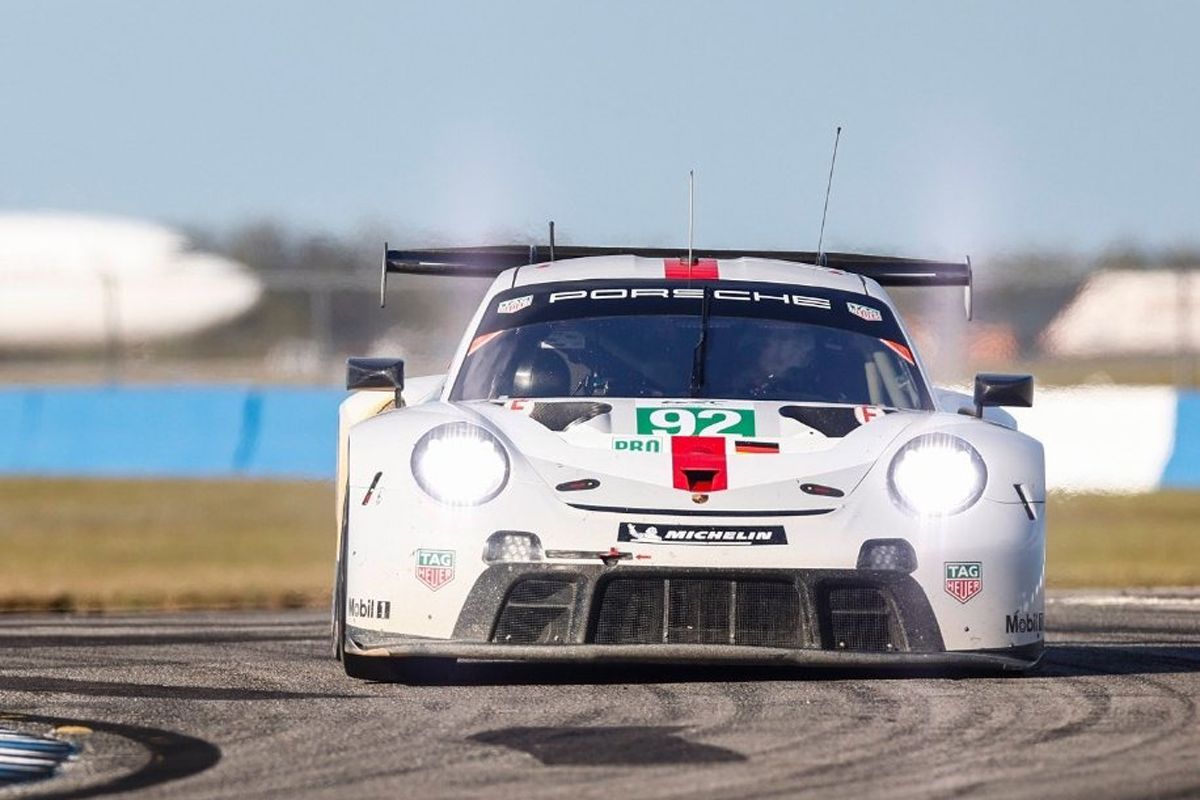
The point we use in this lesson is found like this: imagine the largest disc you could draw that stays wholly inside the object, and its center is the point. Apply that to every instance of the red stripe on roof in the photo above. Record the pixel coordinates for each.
(698, 463)
(703, 269)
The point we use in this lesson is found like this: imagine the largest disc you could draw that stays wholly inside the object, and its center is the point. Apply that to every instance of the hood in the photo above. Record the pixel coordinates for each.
(677, 454)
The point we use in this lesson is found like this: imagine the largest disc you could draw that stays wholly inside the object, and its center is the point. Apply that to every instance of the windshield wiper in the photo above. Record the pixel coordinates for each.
(698, 354)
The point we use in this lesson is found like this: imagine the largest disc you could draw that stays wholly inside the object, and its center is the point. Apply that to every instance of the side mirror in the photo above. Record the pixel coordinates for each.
(376, 373)
(1002, 390)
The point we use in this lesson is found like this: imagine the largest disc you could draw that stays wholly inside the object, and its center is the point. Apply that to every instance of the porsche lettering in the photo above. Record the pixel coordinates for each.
(684, 293)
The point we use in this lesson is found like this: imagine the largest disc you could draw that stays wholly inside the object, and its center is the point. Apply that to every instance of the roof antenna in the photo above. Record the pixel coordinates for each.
(551, 240)
(383, 278)
(691, 215)
(828, 186)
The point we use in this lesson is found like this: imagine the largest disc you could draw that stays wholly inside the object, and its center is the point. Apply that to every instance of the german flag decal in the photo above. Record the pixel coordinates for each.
(756, 447)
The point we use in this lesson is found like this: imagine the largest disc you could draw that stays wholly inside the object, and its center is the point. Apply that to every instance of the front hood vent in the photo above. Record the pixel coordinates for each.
(832, 421)
(558, 416)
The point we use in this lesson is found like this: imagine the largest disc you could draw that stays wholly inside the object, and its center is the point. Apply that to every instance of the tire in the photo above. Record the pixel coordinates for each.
(399, 670)
(337, 613)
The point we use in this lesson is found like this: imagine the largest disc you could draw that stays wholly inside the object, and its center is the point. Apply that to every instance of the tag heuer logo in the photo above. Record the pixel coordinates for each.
(514, 305)
(964, 579)
(435, 568)
(686, 534)
(865, 312)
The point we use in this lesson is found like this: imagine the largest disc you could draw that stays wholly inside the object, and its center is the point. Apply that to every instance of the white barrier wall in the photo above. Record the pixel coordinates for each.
(1105, 438)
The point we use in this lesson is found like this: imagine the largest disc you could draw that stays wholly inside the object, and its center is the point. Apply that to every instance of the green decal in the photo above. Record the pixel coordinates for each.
(689, 421)
(638, 444)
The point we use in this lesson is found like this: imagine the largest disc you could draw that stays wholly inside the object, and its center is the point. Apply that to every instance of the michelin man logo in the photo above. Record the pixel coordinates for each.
(650, 534)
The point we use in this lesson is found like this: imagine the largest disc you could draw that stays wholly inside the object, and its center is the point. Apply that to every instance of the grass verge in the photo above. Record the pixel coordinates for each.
(103, 544)
(1123, 540)
(81, 545)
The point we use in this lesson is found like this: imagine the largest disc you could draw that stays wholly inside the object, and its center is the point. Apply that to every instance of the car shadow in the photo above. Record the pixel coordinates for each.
(1075, 659)
(621, 745)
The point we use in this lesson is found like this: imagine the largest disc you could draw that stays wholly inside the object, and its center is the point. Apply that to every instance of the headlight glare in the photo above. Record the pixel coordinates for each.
(937, 474)
(460, 464)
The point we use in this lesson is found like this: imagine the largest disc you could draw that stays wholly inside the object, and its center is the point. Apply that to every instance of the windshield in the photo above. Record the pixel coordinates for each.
(644, 340)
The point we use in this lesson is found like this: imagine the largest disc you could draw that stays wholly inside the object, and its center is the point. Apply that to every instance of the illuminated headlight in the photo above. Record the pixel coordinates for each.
(937, 474)
(460, 464)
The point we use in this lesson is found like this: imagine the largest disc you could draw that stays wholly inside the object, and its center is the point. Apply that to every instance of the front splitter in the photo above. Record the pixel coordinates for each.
(1015, 659)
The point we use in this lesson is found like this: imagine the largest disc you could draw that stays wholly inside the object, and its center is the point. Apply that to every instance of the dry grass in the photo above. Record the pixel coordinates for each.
(1118, 541)
(87, 544)
(76, 544)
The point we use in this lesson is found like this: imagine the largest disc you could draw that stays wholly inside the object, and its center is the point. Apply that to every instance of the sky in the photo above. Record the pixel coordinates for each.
(968, 127)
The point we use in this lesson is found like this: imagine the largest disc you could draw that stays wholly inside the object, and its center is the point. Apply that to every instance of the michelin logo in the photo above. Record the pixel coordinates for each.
(671, 534)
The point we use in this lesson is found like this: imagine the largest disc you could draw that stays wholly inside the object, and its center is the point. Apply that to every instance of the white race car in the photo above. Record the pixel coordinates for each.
(653, 455)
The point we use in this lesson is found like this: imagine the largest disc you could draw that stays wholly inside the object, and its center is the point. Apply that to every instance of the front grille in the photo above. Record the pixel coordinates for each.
(536, 611)
(761, 613)
(852, 610)
(857, 617)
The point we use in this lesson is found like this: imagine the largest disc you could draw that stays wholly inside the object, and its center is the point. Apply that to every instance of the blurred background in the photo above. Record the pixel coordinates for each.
(194, 201)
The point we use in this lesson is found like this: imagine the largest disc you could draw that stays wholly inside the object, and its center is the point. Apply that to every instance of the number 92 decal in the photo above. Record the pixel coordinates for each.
(688, 421)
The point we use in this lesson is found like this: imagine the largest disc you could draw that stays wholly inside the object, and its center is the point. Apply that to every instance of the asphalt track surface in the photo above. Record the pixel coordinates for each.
(251, 705)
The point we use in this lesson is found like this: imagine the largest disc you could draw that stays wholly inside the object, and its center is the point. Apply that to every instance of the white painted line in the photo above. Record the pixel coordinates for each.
(1147, 601)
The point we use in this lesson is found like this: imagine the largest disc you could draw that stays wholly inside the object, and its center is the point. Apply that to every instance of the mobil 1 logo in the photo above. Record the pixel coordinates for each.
(369, 608)
(1027, 622)
(964, 579)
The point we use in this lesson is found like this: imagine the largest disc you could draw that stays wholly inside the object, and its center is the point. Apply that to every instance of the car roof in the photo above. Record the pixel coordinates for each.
(740, 269)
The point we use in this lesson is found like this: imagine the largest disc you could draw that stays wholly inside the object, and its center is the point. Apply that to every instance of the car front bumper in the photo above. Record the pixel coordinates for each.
(616, 613)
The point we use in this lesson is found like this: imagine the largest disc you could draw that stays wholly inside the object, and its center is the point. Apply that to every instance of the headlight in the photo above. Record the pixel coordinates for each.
(937, 474)
(460, 464)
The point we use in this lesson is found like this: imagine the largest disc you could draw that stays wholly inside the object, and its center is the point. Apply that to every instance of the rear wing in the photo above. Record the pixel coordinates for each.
(489, 261)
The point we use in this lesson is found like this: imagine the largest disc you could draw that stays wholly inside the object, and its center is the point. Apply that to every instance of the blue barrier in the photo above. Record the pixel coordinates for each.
(258, 432)
(169, 431)
(296, 434)
(1183, 468)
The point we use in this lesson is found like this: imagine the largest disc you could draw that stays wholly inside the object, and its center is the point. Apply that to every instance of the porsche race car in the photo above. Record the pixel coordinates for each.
(667, 456)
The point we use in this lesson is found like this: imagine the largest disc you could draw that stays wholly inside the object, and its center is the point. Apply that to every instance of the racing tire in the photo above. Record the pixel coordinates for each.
(399, 670)
(337, 614)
